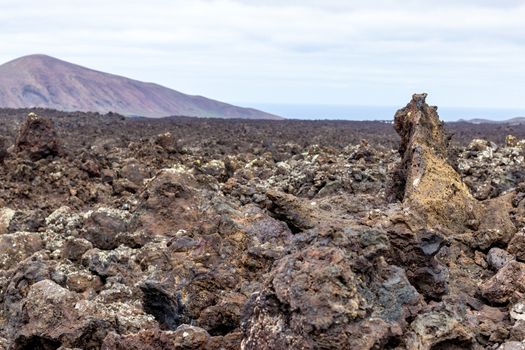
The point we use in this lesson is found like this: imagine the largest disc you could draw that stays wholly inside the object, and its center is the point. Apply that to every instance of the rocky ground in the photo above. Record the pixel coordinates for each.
(188, 233)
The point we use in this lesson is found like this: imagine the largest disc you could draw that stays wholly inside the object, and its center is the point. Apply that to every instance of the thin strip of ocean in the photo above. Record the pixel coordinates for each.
(342, 112)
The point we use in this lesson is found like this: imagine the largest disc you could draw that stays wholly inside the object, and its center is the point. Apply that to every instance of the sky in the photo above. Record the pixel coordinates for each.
(464, 53)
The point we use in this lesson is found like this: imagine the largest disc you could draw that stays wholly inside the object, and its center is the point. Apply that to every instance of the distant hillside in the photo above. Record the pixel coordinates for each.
(513, 121)
(43, 81)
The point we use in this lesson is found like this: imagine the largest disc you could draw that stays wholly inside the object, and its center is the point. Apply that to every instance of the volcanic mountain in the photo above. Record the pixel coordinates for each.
(43, 81)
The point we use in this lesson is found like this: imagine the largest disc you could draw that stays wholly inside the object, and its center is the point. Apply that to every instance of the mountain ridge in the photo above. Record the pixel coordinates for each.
(511, 121)
(44, 81)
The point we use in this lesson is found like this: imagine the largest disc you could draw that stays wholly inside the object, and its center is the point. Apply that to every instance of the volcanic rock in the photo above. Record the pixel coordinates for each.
(18, 246)
(102, 229)
(439, 330)
(324, 274)
(517, 245)
(37, 138)
(426, 182)
(497, 258)
(507, 285)
(185, 337)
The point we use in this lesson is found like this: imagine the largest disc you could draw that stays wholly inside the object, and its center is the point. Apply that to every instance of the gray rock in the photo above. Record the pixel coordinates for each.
(512, 345)
(497, 258)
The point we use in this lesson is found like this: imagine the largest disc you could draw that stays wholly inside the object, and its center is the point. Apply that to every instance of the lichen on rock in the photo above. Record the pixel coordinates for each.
(425, 181)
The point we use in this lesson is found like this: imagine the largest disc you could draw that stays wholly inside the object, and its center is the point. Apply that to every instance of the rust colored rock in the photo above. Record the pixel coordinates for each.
(102, 230)
(492, 323)
(289, 209)
(18, 246)
(495, 227)
(507, 285)
(184, 338)
(168, 202)
(37, 138)
(425, 181)
(144, 340)
(3, 149)
(517, 245)
(314, 300)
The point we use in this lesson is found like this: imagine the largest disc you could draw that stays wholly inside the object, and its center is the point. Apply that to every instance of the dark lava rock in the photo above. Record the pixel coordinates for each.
(74, 248)
(313, 299)
(184, 338)
(517, 245)
(102, 230)
(37, 138)
(507, 285)
(497, 258)
(166, 309)
(3, 148)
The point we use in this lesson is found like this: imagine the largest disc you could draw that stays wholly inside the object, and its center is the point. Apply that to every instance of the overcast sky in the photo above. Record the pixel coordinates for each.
(377, 52)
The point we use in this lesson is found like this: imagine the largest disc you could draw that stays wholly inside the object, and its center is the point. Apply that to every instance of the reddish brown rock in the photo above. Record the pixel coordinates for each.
(184, 338)
(74, 248)
(102, 230)
(517, 245)
(50, 320)
(144, 340)
(312, 300)
(37, 138)
(425, 181)
(18, 246)
(507, 285)
(168, 202)
(496, 227)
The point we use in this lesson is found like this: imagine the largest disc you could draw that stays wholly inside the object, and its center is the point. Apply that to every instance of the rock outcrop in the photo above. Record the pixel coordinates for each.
(37, 138)
(425, 181)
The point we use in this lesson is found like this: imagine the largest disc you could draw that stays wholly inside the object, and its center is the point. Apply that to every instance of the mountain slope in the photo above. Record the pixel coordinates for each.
(43, 81)
(512, 121)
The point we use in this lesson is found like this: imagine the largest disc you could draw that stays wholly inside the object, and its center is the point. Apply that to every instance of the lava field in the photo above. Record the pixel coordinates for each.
(186, 233)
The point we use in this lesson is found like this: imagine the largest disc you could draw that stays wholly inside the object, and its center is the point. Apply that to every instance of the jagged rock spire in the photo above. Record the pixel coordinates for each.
(37, 138)
(425, 181)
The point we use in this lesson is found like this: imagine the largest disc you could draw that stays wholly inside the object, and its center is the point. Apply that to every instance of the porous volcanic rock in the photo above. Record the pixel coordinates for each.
(426, 182)
(37, 138)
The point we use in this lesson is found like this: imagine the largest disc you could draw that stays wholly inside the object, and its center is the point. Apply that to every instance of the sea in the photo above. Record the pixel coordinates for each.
(343, 112)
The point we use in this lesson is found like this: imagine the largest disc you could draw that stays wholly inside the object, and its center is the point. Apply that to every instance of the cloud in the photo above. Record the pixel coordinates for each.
(331, 51)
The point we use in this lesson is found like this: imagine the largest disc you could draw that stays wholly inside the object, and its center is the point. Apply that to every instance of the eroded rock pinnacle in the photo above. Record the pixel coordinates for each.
(425, 181)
